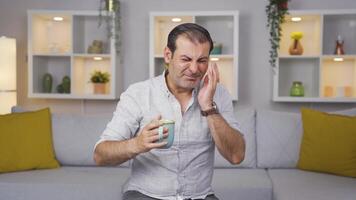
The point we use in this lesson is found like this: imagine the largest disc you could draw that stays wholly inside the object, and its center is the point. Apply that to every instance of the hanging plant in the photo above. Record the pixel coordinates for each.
(276, 11)
(109, 10)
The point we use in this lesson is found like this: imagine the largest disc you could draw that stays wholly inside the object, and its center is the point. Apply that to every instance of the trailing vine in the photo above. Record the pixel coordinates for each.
(276, 11)
(111, 10)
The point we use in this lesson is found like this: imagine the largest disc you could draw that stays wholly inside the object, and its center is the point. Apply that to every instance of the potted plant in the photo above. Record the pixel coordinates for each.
(111, 11)
(99, 79)
(276, 11)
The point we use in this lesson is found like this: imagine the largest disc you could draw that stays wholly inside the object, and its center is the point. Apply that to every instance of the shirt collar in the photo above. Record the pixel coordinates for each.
(164, 86)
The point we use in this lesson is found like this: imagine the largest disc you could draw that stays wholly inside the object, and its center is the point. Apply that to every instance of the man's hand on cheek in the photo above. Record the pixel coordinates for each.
(207, 91)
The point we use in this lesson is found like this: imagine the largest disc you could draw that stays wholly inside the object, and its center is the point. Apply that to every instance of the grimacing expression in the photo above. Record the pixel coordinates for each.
(189, 62)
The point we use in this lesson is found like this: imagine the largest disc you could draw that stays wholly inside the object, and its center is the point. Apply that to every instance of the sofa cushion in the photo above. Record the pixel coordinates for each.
(242, 184)
(26, 141)
(246, 119)
(294, 184)
(75, 137)
(328, 144)
(278, 136)
(81, 183)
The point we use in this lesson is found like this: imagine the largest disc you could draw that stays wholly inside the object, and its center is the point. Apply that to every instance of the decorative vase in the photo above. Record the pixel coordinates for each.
(66, 84)
(296, 48)
(47, 83)
(297, 89)
(217, 48)
(339, 48)
(99, 88)
(60, 88)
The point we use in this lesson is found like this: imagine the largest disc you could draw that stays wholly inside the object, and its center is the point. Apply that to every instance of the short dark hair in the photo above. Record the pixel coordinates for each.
(193, 32)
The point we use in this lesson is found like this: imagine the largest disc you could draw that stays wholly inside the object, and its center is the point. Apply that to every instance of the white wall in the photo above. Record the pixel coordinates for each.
(255, 78)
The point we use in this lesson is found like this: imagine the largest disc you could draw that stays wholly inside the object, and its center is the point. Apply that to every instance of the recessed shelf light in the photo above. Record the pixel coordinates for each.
(58, 19)
(176, 19)
(98, 58)
(338, 59)
(214, 59)
(296, 19)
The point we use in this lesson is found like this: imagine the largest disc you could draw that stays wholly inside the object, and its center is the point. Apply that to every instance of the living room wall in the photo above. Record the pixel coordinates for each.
(255, 74)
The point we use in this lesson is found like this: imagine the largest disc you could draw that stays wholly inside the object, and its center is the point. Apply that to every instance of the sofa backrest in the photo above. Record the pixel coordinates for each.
(278, 137)
(246, 119)
(74, 137)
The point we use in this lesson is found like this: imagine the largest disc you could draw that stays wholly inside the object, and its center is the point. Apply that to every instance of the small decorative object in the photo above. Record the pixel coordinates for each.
(339, 49)
(344, 91)
(296, 47)
(348, 91)
(60, 88)
(217, 48)
(96, 47)
(99, 79)
(297, 89)
(64, 87)
(328, 91)
(66, 84)
(47, 83)
(276, 11)
(111, 10)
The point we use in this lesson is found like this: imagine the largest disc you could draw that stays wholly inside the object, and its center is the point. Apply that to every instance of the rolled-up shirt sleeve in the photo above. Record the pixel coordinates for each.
(125, 121)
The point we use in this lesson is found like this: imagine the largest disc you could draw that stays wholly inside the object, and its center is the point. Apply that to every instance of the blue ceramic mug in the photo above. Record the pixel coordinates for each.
(169, 124)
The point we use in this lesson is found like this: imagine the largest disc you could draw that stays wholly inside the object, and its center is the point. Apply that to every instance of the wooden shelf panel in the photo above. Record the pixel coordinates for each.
(306, 71)
(50, 36)
(223, 27)
(310, 25)
(61, 49)
(85, 30)
(326, 77)
(57, 66)
(343, 25)
(83, 67)
(214, 24)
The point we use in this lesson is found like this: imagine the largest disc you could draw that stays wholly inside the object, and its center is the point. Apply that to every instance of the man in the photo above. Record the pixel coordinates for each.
(188, 93)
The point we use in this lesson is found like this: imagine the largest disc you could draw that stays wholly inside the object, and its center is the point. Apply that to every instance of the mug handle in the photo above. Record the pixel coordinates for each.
(160, 133)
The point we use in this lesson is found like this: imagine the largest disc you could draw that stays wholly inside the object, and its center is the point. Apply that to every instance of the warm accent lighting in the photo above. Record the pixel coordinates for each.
(176, 19)
(7, 74)
(98, 58)
(338, 59)
(58, 19)
(214, 59)
(296, 19)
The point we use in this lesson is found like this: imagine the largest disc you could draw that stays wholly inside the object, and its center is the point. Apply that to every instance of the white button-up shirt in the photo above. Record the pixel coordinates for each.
(186, 169)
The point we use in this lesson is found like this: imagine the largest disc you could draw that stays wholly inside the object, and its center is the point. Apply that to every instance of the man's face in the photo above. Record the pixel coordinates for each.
(188, 64)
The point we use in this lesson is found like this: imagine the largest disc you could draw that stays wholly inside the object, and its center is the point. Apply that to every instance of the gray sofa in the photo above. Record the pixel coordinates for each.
(268, 171)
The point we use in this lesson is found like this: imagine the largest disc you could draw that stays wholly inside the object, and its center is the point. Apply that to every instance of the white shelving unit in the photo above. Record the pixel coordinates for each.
(60, 48)
(223, 27)
(324, 79)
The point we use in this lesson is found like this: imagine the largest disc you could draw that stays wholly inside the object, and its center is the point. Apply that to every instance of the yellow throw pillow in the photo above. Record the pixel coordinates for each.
(26, 141)
(328, 144)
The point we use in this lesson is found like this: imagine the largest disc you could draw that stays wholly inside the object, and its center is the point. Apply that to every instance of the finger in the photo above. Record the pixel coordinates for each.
(215, 80)
(217, 72)
(154, 132)
(155, 138)
(211, 77)
(158, 117)
(157, 145)
(205, 77)
(154, 123)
